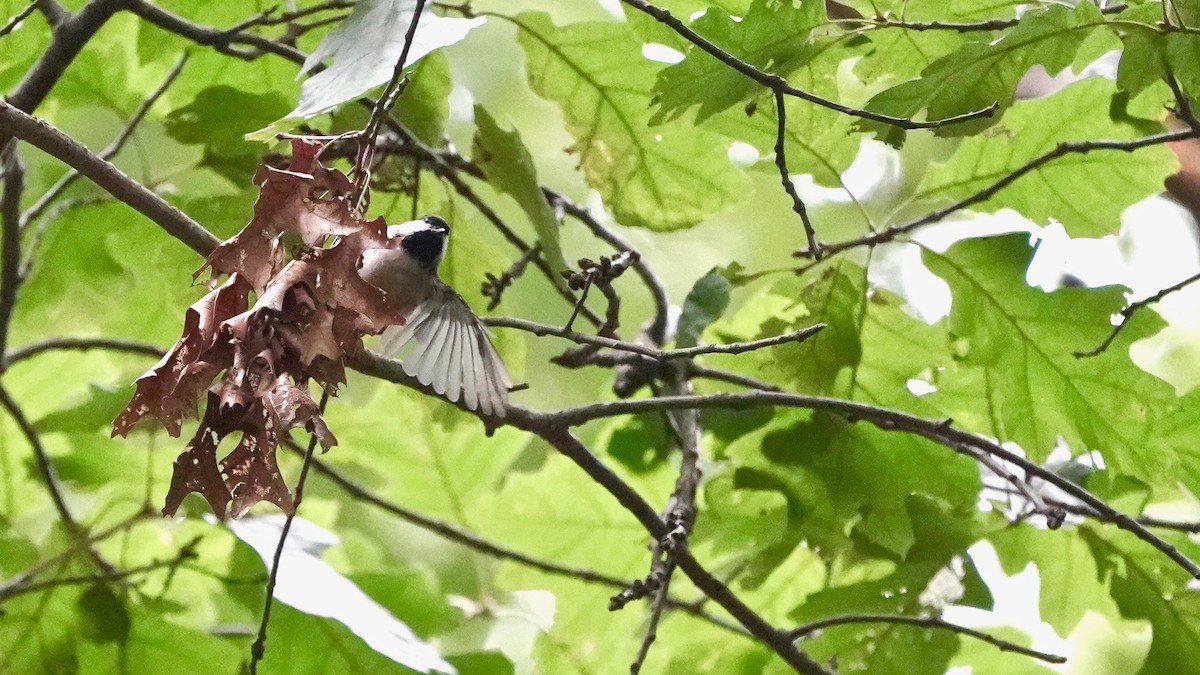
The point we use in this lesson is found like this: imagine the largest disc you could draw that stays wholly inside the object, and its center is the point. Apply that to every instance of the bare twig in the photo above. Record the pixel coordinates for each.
(964, 27)
(541, 329)
(780, 85)
(18, 18)
(1133, 308)
(259, 647)
(113, 148)
(71, 32)
(391, 93)
(1062, 149)
(658, 324)
(924, 622)
(680, 513)
(786, 179)
(22, 578)
(9, 591)
(475, 542)
(49, 476)
(494, 286)
(80, 344)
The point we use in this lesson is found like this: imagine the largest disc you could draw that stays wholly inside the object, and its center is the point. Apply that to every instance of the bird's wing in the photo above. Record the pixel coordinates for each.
(445, 346)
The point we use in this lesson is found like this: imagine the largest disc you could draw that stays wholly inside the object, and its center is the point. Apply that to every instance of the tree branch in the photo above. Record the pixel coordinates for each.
(542, 329)
(18, 18)
(81, 344)
(71, 33)
(785, 176)
(12, 171)
(67, 150)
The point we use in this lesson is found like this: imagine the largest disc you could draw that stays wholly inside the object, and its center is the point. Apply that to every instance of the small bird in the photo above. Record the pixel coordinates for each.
(442, 343)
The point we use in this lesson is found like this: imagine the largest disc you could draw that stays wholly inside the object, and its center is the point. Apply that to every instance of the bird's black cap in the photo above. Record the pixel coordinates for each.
(437, 222)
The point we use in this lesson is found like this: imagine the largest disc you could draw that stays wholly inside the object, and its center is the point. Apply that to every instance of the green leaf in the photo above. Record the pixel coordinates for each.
(1070, 584)
(424, 106)
(664, 178)
(509, 168)
(704, 304)
(94, 413)
(772, 35)
(983, 73)
(1064, 189)
(105, 618)
(1146, 585)
(1022, 341)
(363, 51)
(157, 646)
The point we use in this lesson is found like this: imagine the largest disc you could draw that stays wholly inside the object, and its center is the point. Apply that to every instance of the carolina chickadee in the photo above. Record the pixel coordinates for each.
(447, 345)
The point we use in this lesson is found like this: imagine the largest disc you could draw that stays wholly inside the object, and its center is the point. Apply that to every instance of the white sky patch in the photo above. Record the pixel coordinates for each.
(918, 387)
(612, 8)
(661, 53)
(311, 585)
(743, 154)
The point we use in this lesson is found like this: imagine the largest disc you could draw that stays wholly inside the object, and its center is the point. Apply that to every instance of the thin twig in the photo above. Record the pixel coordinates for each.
(1062, 149)
(680, 514)
(259, 647)
(1131, 309)
(9, 591)
(391, 93)
(786, 179)
(924, 622)
(49, 476)
(779, 84)
(658, 324)
(964, 27)
(18, 18)
(113, 148)
(78, 344)
(475, 542)
(552, 431)
(494, 286)
(23, 577)
(541, 329)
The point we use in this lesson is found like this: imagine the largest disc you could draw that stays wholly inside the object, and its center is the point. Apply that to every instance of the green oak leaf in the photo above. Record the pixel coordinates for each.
(1147, 585)
(1022, 340)
(664, 178)
(1086, 192)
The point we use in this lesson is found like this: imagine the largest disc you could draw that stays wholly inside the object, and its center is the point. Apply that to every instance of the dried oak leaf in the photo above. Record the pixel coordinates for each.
(251, 473)
(304, 199)
(196, 469)
(170, 388)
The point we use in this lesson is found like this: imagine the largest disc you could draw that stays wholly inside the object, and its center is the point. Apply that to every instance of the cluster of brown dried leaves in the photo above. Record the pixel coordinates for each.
(294, 308)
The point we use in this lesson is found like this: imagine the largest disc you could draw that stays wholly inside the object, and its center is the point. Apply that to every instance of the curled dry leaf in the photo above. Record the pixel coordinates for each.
(298, 258)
